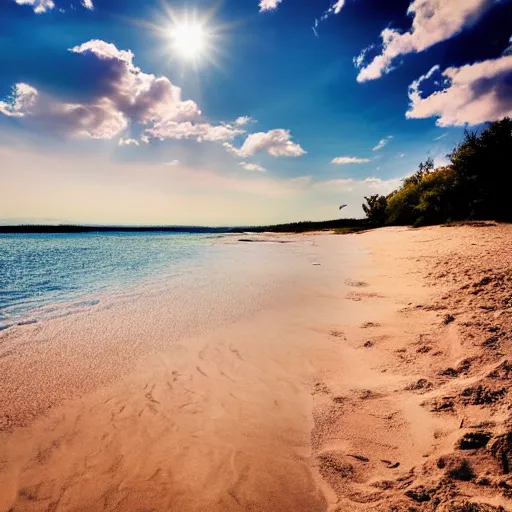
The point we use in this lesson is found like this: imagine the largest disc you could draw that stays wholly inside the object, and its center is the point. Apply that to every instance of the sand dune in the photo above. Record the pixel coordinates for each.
(376, 379)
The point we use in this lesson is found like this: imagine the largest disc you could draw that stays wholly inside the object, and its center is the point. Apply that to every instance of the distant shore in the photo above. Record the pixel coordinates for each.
(374, 378)
(291, 227)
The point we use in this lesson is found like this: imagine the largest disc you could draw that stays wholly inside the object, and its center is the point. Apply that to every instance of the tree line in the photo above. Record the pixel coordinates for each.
(476, 185)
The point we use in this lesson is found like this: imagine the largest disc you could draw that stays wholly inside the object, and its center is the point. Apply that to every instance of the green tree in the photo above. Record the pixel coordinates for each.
(401, 207)
(437, 197)
(375, 209)
(477, 184)
(424, 169)
(483, 164)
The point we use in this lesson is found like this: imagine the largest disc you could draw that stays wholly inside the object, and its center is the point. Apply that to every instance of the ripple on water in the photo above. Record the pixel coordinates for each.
(48, 275)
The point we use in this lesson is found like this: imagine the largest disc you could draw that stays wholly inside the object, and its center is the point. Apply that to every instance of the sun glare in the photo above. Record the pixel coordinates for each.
(189, 40)
(189, 35)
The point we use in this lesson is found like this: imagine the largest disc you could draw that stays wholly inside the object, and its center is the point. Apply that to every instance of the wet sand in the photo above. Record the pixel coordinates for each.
(348, 387)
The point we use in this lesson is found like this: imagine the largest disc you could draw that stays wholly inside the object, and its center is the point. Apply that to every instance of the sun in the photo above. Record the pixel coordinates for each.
(190, 36)
(189, 40)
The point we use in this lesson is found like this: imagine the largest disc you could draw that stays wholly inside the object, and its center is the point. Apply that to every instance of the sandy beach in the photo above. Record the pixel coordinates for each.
(366, 372)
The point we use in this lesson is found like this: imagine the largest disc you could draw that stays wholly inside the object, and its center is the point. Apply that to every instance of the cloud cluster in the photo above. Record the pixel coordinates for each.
(99, 120)
(269, 5)
(434, 21)
(274, 142)
(382, 143)
(42, 6)
(121, 94)
(346, 160)
(472, 94)
(141, 97)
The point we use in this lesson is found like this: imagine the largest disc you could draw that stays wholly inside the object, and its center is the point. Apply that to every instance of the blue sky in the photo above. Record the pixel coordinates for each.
(236, 111)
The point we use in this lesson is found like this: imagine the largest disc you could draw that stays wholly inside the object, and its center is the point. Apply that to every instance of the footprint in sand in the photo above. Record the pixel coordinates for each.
(359, 457)
(389, 464)
(320, 388)
(358, 296)
(369, 325)
(355, 284)
(338, 334)
(367, 394)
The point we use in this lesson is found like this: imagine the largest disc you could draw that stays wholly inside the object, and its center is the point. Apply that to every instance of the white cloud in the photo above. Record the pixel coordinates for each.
(142, 97)
(401, 155)
(384, 186)
(172, 163)
(472, 94)
(101, 120)
(128, 142)
(382, 143)
(43, 6)
(359, 188)
(187, 130)
(334, 9)
(269, 5)
(442, 136)
(346, 160)
(244, 120)
(39, 6)
(121, 94)
(338, 5)
(22, 99)
(434, 21)
(252, 167)
(275, 142)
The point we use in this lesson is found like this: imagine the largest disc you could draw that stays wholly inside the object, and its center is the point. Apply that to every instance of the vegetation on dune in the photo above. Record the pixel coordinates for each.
(474, 186)
(341, 226)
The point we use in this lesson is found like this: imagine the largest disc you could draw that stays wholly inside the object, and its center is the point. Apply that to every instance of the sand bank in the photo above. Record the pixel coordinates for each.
(374, 377)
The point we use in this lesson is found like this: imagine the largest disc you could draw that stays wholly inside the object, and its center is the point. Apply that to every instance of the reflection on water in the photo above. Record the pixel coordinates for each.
(52, 274)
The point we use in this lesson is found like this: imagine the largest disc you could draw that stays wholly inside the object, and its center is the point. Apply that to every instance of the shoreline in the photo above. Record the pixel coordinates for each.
(347, 391)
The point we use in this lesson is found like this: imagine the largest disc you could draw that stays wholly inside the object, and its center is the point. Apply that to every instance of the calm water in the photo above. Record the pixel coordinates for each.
(53, 274)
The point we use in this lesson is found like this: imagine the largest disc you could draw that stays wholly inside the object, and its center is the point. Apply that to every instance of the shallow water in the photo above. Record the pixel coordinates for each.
(43, 275)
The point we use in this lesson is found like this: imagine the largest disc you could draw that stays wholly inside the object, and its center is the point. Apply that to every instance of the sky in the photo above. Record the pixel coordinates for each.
(236, 112)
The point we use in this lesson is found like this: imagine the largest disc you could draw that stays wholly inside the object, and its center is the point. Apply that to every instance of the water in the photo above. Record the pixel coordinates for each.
(55, 274)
